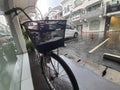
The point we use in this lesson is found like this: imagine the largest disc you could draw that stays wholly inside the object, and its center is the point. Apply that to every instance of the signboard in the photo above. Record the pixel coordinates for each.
(113, 8)
(77, 17)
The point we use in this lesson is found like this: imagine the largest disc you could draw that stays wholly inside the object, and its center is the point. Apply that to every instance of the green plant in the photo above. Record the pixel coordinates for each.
(25, 34)
(29, 44)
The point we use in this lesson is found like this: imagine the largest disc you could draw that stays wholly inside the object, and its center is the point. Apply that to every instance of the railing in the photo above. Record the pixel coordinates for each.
(92, 14)
(113, 8)
(92, 2)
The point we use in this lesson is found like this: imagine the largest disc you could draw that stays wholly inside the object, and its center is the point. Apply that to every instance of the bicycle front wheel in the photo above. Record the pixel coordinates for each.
(58, 74)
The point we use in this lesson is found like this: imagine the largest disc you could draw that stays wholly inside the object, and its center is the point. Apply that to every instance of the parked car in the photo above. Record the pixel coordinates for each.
(71, 32)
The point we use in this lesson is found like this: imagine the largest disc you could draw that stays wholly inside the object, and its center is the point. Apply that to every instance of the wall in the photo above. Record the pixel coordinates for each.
(102, 24)
(87, 27)
(11, 44)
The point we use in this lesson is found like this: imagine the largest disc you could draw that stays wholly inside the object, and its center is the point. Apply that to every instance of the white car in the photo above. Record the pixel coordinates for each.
(71, 32)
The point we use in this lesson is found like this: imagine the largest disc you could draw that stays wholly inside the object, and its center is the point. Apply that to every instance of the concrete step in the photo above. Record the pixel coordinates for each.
(111, 57)
(110, 74)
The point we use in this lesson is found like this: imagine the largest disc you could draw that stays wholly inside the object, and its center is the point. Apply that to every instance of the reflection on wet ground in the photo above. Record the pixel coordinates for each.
(85, 43)
(114, 41)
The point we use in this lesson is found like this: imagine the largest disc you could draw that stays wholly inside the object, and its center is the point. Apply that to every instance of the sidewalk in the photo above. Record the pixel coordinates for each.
(88, 80)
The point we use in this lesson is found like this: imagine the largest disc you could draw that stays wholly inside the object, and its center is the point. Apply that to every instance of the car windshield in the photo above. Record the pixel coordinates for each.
(69, 27)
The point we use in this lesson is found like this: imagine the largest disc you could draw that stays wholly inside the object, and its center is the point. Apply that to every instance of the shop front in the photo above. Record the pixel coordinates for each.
(115, 23)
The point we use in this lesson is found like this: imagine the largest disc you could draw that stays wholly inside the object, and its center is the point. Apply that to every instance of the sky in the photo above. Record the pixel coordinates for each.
(43, 5)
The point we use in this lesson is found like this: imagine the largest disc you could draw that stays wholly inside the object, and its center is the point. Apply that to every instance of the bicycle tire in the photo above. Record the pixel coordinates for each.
(68, 71)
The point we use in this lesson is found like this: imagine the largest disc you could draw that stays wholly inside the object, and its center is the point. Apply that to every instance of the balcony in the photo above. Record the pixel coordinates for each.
(92, 3)
(92, 14)
(113, 8)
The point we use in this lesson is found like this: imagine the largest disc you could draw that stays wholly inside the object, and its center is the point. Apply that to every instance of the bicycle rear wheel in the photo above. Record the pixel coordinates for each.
(58, 74)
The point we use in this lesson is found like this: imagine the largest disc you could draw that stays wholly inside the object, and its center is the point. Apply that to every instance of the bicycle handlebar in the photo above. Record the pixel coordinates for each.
(14, 10)
(10, 11)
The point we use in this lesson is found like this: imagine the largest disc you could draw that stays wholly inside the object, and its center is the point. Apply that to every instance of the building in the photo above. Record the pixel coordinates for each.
(92, 15)
(113, 15)
(55, 13)
(86, 15)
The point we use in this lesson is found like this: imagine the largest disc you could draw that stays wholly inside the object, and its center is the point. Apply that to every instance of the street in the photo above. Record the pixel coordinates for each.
(80, 47)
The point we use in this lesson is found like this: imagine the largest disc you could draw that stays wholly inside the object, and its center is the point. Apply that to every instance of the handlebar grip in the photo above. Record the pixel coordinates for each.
(10, 11)
(15, 10)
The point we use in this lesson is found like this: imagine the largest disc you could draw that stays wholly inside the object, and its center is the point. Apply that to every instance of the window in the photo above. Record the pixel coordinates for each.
(60, 14)
(78, 2)
(66, 18)
(64, 9)
(93, 7)
(78, 12)
(114, 2)
(69, 27)
(7, 55)
(67, 9)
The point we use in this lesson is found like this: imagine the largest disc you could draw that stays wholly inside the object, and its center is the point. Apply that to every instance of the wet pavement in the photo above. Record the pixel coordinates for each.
(88, 80)
(77, 50)
(86, 42)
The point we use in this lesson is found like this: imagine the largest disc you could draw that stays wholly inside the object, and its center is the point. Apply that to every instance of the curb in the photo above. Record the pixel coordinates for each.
(109, 74)
(103, 71)
(111, 57)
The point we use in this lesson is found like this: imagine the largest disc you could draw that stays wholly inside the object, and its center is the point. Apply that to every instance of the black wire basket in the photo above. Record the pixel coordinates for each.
(46, 35)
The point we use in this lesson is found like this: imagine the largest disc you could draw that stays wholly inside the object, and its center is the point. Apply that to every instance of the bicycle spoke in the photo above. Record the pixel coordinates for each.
(57, 76)
(58, 66)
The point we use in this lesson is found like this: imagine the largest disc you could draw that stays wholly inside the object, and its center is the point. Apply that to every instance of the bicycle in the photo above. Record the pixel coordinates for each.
(47, 35)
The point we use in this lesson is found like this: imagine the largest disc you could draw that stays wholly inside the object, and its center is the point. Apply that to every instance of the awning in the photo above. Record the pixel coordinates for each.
(113, 13)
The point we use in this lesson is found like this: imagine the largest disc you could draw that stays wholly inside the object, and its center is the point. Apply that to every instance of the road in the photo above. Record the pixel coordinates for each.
(86, 42)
